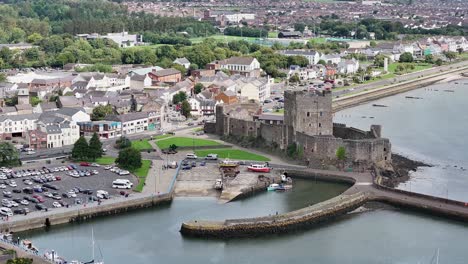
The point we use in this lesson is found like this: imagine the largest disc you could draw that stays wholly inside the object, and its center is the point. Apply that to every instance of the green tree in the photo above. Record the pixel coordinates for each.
(373, 44)
(129, 158)
(450, 55)
(439, 62)
(322, 62)
(429, 58)
(100, 112)
(34, 100)
(3, 77)
(95, 147)
(80, 149)
(460, 50)
(123, 142)
(341, 154)
(299, 27)
(9, 155)
(406, 57)
(35, 38)
(20, 261)
(186, 108)
(198, 88)
(179, 97)
(294, 78)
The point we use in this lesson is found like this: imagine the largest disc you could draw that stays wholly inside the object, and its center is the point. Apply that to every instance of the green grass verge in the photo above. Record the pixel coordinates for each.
(162, 136)
(198, 129)
(141, 145)
(141, 174)
(231, 154)
(272, 34)
(222, 38)
(185, 142)
(106, 160)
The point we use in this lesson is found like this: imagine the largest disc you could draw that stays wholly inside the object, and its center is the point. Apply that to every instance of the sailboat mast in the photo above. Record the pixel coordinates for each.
(92, 237)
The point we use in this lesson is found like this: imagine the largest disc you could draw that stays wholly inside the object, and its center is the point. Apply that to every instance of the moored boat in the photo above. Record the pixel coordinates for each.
(258, 168)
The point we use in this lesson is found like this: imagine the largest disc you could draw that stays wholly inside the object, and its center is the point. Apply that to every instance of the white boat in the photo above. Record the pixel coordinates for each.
(273, 187)
(52, 256)
(91, 261)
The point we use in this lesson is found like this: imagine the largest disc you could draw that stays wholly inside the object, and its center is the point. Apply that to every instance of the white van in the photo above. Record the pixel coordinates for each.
(6, 211)
(7, 203)
(191, 156)
(101, 194)
(211, 157)
(122, 184)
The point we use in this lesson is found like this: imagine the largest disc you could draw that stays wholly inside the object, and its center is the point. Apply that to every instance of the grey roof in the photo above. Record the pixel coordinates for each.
(182, 60)
(48, 106)
(229, 93)
(205, 102)
(299, 52)
(127, 117)
(166, 72)
(19, 117)
(138, 77)
(23, 107)
(53, 129)
(69, 111)
(143, 71)
(8, 109)
(238, 60)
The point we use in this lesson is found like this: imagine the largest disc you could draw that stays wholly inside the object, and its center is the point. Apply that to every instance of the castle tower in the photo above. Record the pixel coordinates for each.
(309, 112)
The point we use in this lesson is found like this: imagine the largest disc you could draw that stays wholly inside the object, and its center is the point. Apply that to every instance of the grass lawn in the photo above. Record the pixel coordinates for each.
(272, 34)
(162, 136)
(142, 173)
(185, 142)
(106, 160)
(231, 154)
(222, 38)
(278, 112)
(318, 40)
(141, 144)
(198, 129)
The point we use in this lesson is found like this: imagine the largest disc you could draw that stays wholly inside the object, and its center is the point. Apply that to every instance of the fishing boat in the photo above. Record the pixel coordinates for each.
(273, 187)
(227, 163)
(258, 168)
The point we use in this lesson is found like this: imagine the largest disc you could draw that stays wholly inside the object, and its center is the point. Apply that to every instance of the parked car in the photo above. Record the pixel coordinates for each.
(40, 207)
(86, 164)
(211, 157)
(191, 156)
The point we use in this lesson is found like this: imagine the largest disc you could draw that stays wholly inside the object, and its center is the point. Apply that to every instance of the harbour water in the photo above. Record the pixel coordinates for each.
(431, 129)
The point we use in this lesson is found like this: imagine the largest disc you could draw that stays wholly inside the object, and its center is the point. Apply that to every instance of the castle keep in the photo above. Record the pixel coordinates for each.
(307, 123)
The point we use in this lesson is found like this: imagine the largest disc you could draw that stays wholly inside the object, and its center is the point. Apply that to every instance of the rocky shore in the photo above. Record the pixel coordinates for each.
(401, 168)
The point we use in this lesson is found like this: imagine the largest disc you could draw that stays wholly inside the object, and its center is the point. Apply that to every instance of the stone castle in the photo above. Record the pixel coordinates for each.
(307, 123)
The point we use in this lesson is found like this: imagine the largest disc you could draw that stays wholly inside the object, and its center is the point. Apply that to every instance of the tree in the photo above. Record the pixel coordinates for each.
(373, 44)
(460, 50)
(439, 62)
(3, 77)
(186, 108)
(198, 88)
(406, 57)
(95, 147)
(80, 149)
(322, 62)
(9, 155)
(450, 55)
(100, 112)
(20, 261)
(429, 58)
(299, 27)
(294, 78)
(129, 158)
(34, 100)
(341, 154)
(179, 97)
(123, 142)
(35, 38)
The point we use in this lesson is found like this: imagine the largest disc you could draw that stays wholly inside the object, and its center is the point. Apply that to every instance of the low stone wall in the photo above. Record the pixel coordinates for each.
(292, 221)
(204, 147)
(47, 219)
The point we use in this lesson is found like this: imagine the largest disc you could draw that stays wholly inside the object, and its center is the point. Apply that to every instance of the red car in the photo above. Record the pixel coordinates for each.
(58, 178)
(39, 198)
(85, 164)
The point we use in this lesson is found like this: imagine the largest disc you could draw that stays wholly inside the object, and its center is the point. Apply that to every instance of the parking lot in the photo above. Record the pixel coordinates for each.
(59, 178)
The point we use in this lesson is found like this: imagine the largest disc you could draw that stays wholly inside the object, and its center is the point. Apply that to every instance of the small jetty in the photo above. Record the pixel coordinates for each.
(379, 105)
(449, 91)
(413, 97)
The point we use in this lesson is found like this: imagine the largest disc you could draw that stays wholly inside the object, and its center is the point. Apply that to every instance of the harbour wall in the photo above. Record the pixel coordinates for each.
(288, 222)
(70, 215)
(374, 94)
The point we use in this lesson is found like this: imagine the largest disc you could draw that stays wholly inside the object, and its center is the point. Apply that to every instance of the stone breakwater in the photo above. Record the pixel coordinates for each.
(292, 221)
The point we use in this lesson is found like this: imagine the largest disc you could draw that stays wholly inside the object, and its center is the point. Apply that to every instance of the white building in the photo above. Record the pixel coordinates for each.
(123, 39)
(348, 66)
(245, 66)
(312, 56)
(182, 61)
(254, 89)
(132, 122)
(237, 17)
(17, 125)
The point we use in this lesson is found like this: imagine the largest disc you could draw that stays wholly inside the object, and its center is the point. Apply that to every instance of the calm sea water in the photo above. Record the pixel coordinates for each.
(432, 129)
(428, 129)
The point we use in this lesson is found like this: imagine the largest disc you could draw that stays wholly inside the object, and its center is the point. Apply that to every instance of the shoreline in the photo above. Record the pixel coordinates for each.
(390, 90)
